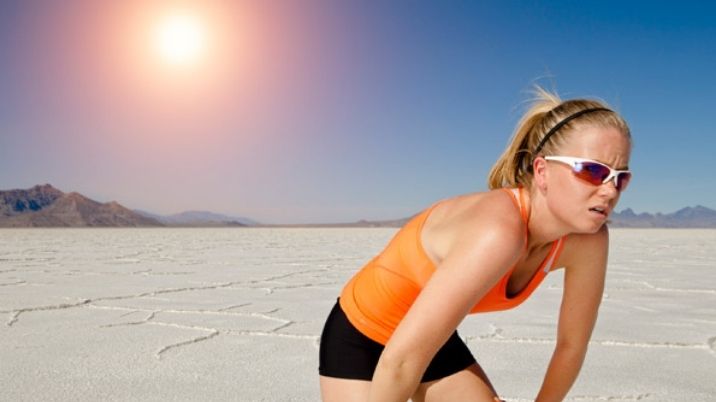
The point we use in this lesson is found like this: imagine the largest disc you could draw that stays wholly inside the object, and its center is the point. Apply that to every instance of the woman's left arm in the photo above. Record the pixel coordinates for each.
(585, 262)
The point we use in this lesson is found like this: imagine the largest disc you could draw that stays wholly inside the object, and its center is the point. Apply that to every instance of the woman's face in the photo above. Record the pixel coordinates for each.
(580, 205)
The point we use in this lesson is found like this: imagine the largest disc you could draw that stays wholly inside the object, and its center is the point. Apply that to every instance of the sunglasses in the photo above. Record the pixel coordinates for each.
(594, 172)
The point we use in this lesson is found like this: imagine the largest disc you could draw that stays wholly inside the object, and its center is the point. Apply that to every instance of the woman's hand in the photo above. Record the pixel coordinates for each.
(585, 262)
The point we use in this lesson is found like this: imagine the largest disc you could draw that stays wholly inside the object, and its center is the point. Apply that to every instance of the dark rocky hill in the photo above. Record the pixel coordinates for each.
(46, 206)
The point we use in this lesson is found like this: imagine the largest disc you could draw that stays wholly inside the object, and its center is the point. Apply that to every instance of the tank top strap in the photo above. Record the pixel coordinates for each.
(518, 198)
(554, 253)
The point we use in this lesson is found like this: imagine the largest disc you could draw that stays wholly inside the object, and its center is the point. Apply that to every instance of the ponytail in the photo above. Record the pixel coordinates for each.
(513, 166)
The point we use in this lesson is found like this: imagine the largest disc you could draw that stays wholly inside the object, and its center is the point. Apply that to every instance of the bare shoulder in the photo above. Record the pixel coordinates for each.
(582, 249)
(471, 217)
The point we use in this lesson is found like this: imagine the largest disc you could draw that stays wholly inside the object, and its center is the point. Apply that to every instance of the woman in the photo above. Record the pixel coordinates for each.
(392, 335)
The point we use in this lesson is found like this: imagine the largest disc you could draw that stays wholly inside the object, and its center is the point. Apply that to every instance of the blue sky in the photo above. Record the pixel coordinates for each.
(321, 111)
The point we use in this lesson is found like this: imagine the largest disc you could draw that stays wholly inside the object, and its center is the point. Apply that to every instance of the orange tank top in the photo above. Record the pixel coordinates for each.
(377, 298)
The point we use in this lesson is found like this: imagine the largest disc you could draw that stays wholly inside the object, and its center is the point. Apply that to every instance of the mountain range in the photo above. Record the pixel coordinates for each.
(198, 218)
(46, 206)
(689, 217)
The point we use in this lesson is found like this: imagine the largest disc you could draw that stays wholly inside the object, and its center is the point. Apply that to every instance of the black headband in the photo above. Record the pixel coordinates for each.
(563, 122)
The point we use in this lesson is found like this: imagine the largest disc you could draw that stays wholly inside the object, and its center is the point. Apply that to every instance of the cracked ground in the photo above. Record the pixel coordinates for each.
(236, 314)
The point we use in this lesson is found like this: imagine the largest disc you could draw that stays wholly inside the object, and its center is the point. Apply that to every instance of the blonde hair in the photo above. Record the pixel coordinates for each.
(547, 110)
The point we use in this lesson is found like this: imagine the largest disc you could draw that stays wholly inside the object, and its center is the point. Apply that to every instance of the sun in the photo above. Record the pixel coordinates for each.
(180, 39)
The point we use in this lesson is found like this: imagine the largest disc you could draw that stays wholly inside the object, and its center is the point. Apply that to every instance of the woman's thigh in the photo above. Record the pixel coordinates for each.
(341, 389)
(469, 385)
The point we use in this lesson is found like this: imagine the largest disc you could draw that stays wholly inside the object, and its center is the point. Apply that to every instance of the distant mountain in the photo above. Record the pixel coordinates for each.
(689, 217)
(199, 218)
(46, 206)
(16, 202)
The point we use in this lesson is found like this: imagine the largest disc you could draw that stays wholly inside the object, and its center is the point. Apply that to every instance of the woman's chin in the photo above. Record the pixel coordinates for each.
(590, 227)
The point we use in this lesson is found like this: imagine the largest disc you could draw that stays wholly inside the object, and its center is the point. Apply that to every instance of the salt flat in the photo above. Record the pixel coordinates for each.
(235, 314)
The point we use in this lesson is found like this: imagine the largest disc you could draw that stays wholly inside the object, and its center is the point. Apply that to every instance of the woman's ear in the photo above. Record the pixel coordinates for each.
(539, 173)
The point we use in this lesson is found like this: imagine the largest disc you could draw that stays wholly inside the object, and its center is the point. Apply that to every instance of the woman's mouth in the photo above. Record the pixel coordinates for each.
(600, 210)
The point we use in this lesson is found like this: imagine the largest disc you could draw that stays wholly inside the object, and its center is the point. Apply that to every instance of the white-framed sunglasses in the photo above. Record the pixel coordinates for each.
(594, 172)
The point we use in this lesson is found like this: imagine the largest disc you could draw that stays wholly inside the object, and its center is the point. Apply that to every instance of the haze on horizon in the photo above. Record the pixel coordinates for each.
(318, 111)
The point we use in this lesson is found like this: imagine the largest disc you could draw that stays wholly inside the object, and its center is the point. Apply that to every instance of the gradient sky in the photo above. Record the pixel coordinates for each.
(326, 111)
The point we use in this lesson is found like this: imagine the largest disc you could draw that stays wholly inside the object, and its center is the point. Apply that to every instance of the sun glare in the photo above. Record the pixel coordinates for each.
(180, 39)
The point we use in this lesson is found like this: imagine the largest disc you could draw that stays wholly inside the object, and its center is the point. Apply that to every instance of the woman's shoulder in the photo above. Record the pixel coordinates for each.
(581, 248)
(471, 217)
(498, 206)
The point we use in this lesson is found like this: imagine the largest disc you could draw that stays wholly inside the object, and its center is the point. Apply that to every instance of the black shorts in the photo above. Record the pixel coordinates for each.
(346, 353)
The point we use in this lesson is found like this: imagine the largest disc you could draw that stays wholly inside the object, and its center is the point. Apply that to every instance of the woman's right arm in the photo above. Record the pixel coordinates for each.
(478, 257)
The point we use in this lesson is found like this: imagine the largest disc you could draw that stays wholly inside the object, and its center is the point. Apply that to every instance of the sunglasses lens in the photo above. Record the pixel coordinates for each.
(623, 181)
(593, 173)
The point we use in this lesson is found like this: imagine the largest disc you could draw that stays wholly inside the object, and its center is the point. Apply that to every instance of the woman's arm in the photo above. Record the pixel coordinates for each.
(478, 257)
(585, 267)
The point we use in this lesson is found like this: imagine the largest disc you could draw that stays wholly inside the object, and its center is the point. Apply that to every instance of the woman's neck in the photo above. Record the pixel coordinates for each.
(543, 227)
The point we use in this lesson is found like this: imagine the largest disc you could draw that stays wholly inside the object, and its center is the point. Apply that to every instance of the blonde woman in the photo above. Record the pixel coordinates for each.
(392, 334)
